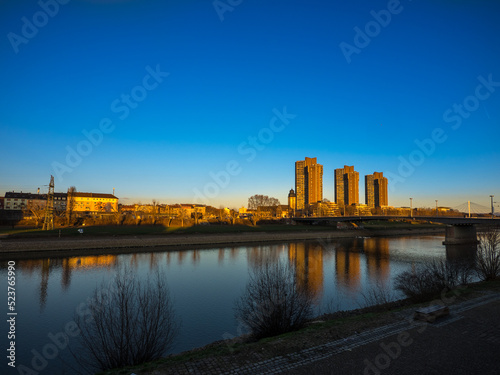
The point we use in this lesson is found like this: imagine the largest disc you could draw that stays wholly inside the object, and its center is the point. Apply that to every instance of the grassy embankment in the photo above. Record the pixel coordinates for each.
(325, 329)
(134, 230)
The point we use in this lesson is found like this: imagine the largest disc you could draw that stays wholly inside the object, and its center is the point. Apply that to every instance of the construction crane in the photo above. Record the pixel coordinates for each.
(48, 222)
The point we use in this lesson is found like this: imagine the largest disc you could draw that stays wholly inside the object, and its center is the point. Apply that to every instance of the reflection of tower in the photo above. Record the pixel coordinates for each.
(180, 257)
(196, 256)
(153, 261)
(348, 266)
(220, 256)
(260, 255)
(66, 274)
(308, 261)
(44, 282)
(377, 259)
(233, 253)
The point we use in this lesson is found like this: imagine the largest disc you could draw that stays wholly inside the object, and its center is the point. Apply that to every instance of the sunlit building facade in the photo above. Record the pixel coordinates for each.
(308, 182)
(346, 185)
(93, 202)
(376, 190)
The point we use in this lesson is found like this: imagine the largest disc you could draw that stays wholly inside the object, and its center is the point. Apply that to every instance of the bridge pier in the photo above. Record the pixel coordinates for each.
(461, 234)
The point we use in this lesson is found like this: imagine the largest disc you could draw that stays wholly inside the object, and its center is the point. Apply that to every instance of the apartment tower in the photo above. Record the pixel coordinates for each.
(346, 185)
(376, 190)
(308, 182)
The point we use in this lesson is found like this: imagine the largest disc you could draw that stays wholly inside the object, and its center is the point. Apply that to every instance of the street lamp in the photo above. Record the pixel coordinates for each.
(492, 208)
(411, 207)
(437, 208)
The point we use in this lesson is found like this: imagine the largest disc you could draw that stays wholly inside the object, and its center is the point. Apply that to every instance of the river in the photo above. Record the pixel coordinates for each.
(204, 285)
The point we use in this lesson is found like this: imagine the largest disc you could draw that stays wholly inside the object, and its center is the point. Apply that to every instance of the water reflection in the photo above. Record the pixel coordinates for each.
(205, 283)
(463, 252)
(377, 258)
(352, 262)
(348, 264)
(308, 261)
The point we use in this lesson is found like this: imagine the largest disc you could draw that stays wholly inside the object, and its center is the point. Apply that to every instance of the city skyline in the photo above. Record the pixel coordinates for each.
(185, 102)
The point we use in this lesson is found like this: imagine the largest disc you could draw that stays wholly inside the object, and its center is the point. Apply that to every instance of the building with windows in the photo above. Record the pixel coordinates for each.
(321, 209)
(346, 186)
(21, 201)
(308, 182)
(92, 202)
(376, 190)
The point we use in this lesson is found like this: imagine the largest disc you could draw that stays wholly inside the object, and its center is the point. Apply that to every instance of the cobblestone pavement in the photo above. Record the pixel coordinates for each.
(465, 342)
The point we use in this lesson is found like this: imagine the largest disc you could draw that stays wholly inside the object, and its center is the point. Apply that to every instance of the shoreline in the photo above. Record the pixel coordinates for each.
(99, 245)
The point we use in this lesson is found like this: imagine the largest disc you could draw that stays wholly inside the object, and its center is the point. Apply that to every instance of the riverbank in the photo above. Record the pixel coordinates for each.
(94, 244)
(345, 339)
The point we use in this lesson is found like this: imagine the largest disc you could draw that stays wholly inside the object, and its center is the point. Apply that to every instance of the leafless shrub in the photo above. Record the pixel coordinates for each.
(488, 255)
(126, 323)
(432, 278)
(272, 302)
(377, 295)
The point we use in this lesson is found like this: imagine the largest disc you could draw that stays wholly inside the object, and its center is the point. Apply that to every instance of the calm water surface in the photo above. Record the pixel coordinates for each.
(204, 285)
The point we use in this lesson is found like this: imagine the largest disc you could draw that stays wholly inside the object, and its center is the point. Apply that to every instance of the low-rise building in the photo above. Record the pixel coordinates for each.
(21, 201)
(321, 209)
(93, 202)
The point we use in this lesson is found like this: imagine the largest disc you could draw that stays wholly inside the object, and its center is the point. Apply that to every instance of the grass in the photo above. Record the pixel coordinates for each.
(134, 230)
(124, 230)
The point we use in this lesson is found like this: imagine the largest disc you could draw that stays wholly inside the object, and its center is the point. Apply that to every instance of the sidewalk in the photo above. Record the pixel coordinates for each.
(465, 342)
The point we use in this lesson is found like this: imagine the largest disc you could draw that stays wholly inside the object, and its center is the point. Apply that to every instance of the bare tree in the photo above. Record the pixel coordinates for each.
(233, 215)
(154, 210)
(262, 200)
(196, 214)
(488, 255)
(182, 215)
(36, 209)
(272, 302)
(126, 323)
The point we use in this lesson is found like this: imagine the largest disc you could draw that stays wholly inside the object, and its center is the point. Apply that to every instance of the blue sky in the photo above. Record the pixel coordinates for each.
(214, 101)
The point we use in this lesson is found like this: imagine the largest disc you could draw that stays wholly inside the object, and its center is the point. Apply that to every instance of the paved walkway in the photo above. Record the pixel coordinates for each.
(465, 342)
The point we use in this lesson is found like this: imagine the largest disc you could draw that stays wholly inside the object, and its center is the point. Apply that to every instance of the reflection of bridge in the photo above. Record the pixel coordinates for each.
(460, 230)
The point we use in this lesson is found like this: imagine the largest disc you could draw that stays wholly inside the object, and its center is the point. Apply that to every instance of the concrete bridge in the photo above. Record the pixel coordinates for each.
(459, 230)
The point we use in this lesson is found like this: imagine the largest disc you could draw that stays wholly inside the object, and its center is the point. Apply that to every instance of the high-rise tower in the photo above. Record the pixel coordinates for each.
(376, 190)
(346, 185)
(308, 182)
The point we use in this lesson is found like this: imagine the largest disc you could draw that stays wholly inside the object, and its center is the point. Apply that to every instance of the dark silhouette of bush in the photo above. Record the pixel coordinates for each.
(126, 323)
(430, 279)
(488, 255)
(272, 302)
